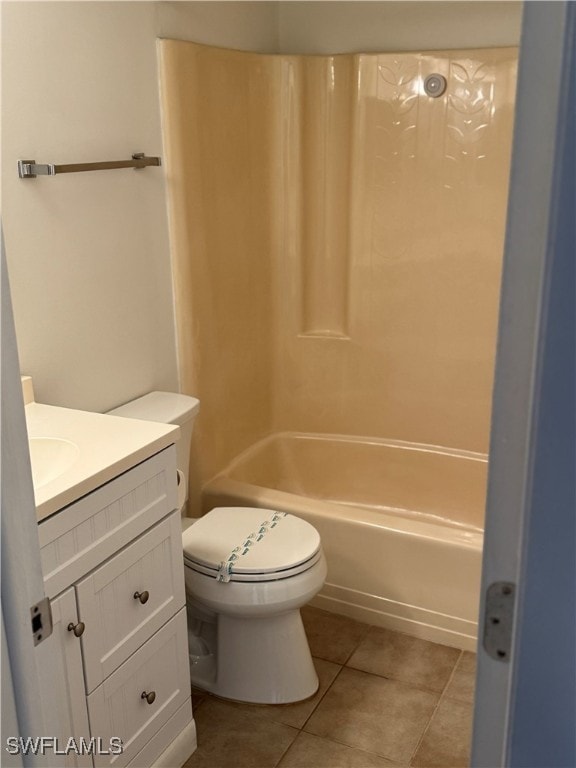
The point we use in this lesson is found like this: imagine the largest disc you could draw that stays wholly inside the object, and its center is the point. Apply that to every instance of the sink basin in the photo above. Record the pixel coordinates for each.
(50, 457)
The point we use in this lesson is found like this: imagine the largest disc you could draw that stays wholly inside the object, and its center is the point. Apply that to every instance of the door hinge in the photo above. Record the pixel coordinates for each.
(41, 618)
(498, 620)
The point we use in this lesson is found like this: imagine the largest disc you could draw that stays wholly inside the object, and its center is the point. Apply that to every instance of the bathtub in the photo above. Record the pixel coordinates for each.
(401, 524)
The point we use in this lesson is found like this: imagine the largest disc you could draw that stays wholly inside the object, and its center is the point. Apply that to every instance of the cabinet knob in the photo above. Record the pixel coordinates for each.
(78, 629)
(150, 697)
(142, 596)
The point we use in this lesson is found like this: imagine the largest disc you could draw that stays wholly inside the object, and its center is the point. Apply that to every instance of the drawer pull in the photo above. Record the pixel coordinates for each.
(142, 596)
(78, 629)
(150, 697)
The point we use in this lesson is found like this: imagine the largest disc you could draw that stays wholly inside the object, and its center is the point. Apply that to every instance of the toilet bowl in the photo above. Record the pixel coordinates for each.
(248, 571)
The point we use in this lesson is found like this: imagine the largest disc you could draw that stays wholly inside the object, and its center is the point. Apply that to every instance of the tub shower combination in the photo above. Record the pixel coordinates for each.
(401, 525)
(337, 226)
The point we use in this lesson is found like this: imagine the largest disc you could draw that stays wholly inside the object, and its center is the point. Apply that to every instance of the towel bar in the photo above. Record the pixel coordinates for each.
(29, 169)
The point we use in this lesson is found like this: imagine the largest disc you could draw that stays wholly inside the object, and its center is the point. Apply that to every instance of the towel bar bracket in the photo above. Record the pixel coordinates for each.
(29, 169)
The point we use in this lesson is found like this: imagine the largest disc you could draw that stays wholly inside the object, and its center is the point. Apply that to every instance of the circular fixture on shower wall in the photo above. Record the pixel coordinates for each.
(435, 85)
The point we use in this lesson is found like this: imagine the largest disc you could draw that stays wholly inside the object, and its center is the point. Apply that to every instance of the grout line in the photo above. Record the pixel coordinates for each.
(336, 676)
(395, 763)
(358, 644)
(440, 698)
(288, 748)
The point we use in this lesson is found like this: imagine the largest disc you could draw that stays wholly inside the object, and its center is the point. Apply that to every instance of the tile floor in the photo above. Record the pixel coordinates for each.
(385, 699)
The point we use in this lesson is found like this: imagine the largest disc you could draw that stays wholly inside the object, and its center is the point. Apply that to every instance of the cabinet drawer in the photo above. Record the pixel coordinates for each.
(116, 708)
(81, 536)
(117, 623)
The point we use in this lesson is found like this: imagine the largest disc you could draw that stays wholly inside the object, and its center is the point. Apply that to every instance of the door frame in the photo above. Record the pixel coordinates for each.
(22, 585)
(539, 250)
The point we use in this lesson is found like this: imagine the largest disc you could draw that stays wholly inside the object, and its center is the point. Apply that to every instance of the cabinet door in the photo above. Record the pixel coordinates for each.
(68, 695)
(118, 707)
(117, 623)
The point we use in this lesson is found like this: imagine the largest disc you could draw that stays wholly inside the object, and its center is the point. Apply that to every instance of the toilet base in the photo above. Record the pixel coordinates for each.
(261, 660)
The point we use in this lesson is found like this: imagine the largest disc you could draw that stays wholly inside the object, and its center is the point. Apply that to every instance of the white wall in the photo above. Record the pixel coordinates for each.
(346, 27)
(88, 253)
(251, 26)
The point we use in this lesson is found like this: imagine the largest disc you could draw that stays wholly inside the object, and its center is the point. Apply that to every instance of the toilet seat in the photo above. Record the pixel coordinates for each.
(254, 577)
(248, 544)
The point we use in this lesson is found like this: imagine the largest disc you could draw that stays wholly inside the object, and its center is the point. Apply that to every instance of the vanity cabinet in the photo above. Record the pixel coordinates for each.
(113, 569)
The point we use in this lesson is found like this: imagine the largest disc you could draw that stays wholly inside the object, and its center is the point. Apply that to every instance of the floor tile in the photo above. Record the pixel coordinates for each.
(229, 737)
(331, 636)
(414, 661)
(310, 751)
(370, 712)
(297, 714)
(463, 681)
(447, 740)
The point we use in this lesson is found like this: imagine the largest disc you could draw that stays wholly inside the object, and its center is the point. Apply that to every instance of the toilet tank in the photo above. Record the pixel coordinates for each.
(167, 408)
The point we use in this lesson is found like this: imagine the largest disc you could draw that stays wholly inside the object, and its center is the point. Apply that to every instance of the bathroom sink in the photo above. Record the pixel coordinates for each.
(50, 457)
(74, 452)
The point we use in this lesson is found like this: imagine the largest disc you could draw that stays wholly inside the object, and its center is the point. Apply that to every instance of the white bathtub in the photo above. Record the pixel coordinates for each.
(401, 524)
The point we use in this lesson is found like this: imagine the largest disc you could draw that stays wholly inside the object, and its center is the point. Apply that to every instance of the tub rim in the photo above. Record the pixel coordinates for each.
(270, 498)
(407, 445)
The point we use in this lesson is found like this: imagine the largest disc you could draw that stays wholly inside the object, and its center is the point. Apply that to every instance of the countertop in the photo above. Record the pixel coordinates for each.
(106, 446)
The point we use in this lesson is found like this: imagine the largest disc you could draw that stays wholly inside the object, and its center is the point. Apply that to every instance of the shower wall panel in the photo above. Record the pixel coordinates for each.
(337, 240)
(219, 136)
(414, 246)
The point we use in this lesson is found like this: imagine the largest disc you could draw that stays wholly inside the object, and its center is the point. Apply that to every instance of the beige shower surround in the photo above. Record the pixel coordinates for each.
(337, 241)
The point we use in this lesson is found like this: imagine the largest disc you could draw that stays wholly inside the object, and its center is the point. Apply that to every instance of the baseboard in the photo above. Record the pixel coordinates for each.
(180, 735)
(183, 746)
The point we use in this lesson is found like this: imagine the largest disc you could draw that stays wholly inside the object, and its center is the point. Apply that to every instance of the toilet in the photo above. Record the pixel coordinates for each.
(248, 571)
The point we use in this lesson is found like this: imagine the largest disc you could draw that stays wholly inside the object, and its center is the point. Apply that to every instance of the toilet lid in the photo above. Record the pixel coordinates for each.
(248, 540)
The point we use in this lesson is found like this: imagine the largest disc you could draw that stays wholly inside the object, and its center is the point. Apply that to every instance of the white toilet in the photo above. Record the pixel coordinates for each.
(248, 571)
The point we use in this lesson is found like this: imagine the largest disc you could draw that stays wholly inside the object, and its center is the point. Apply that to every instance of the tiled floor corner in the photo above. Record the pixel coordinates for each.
(385, 700)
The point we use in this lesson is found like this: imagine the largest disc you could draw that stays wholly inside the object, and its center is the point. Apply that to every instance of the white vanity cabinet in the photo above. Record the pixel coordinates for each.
(113, 569)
